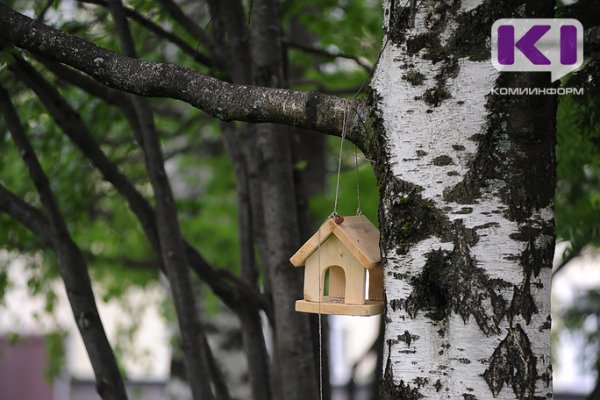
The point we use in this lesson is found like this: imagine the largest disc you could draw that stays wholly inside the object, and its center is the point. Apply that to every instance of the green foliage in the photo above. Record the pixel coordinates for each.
(54, 343)
(578, 168)
(351, 27)
(4, 285)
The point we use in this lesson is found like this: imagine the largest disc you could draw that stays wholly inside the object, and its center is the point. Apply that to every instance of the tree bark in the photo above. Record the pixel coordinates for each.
(193, 340)
(70, 259)
(294, 351)
(252, 331)
(466, 181)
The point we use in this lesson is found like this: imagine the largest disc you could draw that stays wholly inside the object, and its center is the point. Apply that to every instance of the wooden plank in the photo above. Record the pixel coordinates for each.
(311, 280)
(312, 244)
(376, 284)
(355, 280)
(361, 238)
(363, 310)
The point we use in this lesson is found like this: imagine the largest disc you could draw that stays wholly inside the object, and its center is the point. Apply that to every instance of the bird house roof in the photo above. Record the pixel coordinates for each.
(357, 233)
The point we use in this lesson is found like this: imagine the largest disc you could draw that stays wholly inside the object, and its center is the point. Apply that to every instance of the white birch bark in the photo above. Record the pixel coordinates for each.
(467, 239)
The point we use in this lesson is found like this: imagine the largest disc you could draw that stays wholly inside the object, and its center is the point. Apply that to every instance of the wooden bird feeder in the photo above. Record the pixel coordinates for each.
(339, 260)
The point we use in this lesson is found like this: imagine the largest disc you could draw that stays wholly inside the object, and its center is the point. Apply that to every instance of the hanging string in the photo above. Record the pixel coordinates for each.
(320, 328)
(358, 209)
(398, 17)
(339, 168)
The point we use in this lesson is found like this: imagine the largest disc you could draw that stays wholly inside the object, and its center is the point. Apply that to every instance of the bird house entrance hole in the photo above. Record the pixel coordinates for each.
(334, 285)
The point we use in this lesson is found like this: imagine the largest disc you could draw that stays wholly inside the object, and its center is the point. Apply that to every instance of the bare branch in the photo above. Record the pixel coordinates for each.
(96, 89)
(160, 32)
(72, 265)
(187, 23)
(572, 254)
(223, 100)
(29, 216)
(70, 122)
(328, 54)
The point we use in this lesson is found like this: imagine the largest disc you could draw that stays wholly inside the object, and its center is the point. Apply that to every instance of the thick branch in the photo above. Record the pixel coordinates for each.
(72, 266)
(311, 110)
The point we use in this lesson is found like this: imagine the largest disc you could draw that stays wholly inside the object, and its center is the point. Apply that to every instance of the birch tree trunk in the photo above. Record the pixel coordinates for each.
(467, 182)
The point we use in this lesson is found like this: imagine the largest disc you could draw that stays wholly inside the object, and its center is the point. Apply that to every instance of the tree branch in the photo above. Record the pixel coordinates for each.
(29, 216)
(72, 266)
(328, 54)
(228, 102)
(71, 124)
(573, 253)
(160, 32)
(188, 24)
(109, 95)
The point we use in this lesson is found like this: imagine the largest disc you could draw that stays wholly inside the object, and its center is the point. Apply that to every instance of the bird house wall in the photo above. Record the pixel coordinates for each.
(376, 283)
(333, 253)
(311, 279)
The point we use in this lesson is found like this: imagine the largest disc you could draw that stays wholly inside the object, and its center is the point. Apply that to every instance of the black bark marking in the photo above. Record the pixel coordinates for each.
(546, 325)
(398, 22)
(452, 282)
(517, 149)
(388, 390)
(420, 382)
(464, 210)
(430, 292)
(538, 254)
(412, 218)
(522, 303)
(407, 338)
(513, 363)
(442, 160)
